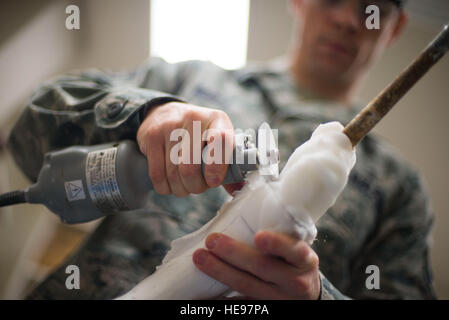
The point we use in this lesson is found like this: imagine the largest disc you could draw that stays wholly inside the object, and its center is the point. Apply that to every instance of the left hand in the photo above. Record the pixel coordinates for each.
(280, 267)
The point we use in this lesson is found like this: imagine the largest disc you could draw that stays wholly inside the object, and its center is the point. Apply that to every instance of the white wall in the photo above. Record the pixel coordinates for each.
(34, 45)
(37, 48)
(114, 34)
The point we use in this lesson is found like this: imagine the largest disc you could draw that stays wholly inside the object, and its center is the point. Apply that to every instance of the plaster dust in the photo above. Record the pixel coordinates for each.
(309, 184)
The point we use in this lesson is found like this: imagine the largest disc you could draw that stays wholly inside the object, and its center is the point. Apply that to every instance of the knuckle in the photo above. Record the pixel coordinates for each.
(191, 115)
(152, 133)
(146, 139)
(302, 250)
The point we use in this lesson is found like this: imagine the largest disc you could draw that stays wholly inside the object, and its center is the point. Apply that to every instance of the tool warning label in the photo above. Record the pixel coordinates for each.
(102, 182)
(74, 190)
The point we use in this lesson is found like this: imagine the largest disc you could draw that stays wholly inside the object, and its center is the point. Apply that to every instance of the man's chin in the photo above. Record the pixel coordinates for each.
(332, 70)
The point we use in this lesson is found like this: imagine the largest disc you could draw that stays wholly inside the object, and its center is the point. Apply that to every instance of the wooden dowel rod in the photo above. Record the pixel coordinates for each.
(369, 116)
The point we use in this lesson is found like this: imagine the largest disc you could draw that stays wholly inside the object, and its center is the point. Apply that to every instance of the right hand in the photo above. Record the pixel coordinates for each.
(154, 142)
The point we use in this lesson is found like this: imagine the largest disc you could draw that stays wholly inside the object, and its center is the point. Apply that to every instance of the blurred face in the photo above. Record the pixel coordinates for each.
(333, 39)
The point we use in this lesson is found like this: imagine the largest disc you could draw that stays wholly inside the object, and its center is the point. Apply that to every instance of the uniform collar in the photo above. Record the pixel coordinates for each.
(289, 98)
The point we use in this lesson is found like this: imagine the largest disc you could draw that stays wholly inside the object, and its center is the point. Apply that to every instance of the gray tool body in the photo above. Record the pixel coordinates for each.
(84, 183)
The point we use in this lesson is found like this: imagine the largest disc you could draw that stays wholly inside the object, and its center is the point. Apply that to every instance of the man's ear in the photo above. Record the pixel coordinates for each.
(401, 23)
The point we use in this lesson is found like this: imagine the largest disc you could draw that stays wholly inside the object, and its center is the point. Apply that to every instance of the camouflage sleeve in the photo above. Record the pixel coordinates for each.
(398, 247)
(328, 291)
(90, 107)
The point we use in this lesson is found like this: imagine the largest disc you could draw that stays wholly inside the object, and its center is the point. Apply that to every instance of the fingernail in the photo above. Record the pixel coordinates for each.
(213, 180)
(212, 242)
(200, 257)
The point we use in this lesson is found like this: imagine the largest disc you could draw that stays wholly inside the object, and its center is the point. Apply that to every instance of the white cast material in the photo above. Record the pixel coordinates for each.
(309, 184)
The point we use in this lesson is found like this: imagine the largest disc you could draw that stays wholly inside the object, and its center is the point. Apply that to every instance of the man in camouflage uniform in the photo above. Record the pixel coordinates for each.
(382, 218)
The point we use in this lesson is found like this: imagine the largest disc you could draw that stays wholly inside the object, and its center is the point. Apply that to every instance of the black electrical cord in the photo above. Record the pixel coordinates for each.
(12, 197)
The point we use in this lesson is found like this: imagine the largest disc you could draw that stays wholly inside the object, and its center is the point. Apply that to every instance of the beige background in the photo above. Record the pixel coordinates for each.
(34, 45)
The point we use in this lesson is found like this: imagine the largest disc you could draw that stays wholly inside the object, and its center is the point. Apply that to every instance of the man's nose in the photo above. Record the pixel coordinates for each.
(347, 16)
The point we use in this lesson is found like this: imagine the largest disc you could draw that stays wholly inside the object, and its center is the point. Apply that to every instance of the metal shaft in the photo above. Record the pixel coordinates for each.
(369, 116)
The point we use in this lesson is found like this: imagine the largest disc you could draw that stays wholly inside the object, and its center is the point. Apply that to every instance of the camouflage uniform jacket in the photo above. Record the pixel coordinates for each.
(382, 217)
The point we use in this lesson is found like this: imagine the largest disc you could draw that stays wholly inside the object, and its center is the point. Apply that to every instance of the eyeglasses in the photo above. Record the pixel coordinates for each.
(386, 7)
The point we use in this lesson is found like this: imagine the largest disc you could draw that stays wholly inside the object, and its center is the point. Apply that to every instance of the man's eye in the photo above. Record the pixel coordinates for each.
(330, 2)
